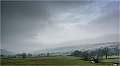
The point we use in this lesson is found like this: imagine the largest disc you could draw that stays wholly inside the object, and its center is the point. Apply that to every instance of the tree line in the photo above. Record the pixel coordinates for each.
(96, 54)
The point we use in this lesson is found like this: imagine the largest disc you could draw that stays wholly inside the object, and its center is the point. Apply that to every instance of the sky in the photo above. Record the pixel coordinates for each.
(33, 25)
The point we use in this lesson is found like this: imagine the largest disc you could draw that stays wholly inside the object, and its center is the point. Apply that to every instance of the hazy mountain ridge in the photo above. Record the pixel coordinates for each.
(78, 47)
(69, 49)
(6, 52)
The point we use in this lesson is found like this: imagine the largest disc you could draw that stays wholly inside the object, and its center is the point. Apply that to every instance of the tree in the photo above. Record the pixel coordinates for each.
(106, 52)
(48, 54)
(76, 53)
(29, 55)
(85, 55)
(117, 50)
(24, 55)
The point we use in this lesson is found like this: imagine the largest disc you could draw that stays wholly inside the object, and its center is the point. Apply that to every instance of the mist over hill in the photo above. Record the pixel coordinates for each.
(69, 49)
(6, 52)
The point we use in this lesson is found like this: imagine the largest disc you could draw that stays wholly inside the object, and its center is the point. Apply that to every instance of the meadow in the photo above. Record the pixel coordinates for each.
(54, 61)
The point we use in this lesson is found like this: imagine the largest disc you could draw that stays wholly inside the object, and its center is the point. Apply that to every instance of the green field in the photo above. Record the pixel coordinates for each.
(59, 60)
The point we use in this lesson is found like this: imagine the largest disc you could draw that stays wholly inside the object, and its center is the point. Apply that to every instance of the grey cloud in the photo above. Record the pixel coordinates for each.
(41, 24)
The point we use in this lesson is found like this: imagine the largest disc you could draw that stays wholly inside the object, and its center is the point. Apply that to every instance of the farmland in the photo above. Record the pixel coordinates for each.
(56, 60)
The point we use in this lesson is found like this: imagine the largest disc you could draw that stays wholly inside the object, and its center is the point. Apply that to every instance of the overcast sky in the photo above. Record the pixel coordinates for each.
(32, 25)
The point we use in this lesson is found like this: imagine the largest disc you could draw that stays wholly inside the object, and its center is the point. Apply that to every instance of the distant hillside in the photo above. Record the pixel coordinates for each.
(69, 49)
(6, 52)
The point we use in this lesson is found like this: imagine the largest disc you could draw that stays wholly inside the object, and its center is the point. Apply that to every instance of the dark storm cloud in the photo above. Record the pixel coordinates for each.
(20, 17)
(19, 21)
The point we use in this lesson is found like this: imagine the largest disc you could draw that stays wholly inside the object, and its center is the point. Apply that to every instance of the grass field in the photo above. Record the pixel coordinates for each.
(59, 60)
